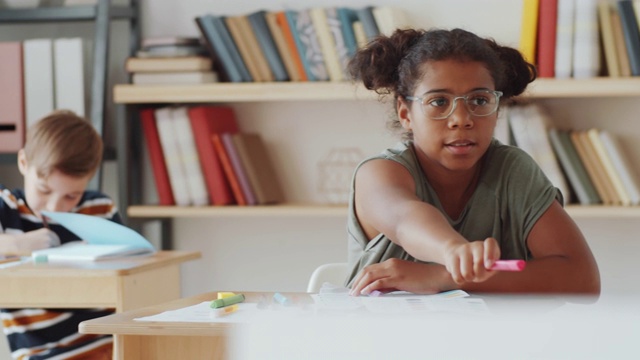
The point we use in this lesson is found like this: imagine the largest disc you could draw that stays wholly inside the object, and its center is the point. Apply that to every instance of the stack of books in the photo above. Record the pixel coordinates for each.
(568, 38)
(588, 166)
(199, 157)
(294, 45)
(171, 60)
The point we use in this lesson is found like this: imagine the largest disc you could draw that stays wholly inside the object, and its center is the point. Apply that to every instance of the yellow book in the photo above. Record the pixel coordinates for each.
(254, 48)
(610, 171)
(361, 35)
(235, 29)
(608, 39)
(589, 165)
(327, 43)
(621, 47)
(529, 29)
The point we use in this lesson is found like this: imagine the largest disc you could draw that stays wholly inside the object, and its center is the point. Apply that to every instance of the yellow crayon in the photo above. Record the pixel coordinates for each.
(224, 311)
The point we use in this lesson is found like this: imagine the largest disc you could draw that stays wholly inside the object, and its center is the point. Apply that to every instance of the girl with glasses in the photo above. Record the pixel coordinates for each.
(435, 212)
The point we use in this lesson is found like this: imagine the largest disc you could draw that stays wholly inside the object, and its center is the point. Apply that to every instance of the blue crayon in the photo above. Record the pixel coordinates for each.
(281, 299)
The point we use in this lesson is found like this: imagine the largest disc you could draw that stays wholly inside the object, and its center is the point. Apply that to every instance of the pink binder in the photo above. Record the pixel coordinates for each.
(11, 98)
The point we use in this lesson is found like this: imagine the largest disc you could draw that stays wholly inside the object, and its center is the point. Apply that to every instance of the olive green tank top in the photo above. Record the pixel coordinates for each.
(511, 195)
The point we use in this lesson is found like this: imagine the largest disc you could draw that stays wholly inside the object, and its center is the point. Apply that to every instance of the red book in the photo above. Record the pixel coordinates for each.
(547, 25)
(12, 120)
(156, 155)
(206, 121)
(227, 166)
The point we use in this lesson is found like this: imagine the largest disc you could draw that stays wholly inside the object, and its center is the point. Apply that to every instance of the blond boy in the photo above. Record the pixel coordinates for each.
(61, 154)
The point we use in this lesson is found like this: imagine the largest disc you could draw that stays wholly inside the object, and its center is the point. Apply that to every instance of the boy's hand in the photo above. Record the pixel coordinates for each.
(35, 240)
(471, 262)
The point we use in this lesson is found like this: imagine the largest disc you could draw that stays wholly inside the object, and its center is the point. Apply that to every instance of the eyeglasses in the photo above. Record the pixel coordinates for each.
(439, 106)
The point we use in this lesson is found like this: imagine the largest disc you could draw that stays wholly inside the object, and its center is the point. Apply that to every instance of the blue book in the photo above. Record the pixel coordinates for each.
(221, 26)
(308, 36)
(631, 34)
(368, 22)
(347, 17)
(268, 45)
(292, 19)
(218, 48)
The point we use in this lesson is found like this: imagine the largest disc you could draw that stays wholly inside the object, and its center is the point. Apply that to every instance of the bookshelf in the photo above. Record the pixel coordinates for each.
(300, 91)
(327, 91)
(101, 15)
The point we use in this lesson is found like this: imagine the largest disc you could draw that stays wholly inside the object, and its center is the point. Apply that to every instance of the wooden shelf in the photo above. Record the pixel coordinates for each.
(62, 13)
(296, 210)
(319, 91)
(150, 211)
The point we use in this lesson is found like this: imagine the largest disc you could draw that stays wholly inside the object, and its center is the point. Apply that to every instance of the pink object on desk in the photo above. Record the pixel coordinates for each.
(509, 265)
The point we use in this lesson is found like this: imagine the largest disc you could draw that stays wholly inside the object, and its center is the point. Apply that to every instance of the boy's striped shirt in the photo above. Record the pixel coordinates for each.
(52, 333)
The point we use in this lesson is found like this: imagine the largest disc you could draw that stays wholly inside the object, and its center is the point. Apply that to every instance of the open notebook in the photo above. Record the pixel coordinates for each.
(103, 239)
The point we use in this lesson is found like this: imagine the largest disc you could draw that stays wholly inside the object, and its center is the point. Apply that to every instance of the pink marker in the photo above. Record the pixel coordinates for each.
(509, 265)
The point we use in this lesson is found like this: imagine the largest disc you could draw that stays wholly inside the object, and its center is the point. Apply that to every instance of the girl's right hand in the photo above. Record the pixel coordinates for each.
(470, 262)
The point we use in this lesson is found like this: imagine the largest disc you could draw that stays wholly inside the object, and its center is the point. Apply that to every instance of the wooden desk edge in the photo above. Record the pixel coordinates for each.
(173, 257)
(124, 324)
(119, 267)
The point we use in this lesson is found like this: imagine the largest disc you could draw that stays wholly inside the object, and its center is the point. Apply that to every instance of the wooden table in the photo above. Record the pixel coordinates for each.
(122, 284)
(166, 340)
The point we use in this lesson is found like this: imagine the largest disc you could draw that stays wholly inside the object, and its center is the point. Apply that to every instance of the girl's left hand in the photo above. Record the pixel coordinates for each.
(404, 275)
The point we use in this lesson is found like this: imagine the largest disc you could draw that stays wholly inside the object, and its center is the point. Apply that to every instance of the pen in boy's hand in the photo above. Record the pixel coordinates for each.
(509, 265)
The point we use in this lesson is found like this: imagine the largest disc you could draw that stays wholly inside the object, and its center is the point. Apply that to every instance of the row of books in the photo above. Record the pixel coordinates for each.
(588, 166)
(569, 38)
(36, 77)
(312, 44)
(199, 157)
(171, 60)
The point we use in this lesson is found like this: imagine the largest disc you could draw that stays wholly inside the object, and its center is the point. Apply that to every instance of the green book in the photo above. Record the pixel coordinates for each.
(573, 167)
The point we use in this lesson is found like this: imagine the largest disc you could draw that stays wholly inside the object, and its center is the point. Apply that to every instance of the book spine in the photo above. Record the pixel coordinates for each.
(172, 157)
(608, 39)
(529, 30)
(622, 165)
(68, 74)
(547, 25)
(156, 157)
(238, 168)
(189, 157)
(586, 42)
(12, 121)
(564, 39)
(631, 34)
(230, 45)
(38, 79)
(228, 169)
(267, 43)
(609, 170)
(327, 43)
(283, 49)
(365, 15)
(569, 166)
(217, 48)
(206, 120)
